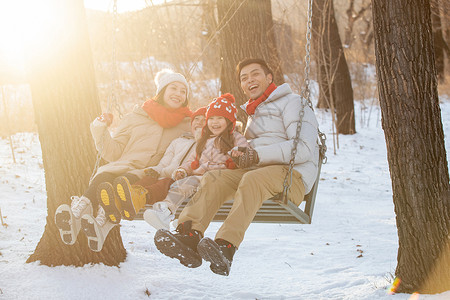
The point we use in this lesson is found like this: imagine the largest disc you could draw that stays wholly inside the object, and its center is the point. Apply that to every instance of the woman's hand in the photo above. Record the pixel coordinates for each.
(151, 173)
(106, 118)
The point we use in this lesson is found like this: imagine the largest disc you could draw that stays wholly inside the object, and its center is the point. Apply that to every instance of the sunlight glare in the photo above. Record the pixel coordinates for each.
(122, 5)
(22, 24)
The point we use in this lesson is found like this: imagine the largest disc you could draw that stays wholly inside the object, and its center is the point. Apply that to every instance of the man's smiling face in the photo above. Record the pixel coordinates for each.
(254, 81)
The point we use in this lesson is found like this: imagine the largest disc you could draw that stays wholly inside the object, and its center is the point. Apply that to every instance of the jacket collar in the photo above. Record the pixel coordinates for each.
(280, 91)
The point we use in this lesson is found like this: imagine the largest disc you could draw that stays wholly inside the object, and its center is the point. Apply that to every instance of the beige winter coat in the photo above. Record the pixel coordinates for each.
(137, 143)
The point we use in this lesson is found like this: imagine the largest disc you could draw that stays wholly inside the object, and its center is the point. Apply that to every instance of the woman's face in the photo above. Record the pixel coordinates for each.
(217, 125)
(175, 95)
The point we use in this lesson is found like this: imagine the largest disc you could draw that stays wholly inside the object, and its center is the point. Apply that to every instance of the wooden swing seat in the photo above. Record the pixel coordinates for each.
(273, 210)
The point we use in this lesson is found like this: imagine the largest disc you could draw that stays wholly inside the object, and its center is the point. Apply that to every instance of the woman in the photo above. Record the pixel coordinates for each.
(139, 141)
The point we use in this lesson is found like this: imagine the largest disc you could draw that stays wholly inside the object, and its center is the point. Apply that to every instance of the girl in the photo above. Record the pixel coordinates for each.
(213, 151)
(148, 129)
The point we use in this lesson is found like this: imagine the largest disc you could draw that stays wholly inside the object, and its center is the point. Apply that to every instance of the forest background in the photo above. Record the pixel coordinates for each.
(177, 35)
(195, 39)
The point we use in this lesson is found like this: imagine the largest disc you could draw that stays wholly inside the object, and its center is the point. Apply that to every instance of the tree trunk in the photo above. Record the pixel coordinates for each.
(246, 31)
(209, 41)
(65, 101)
(352, 17)
(332, 69)
(411, 119)
(438, 41)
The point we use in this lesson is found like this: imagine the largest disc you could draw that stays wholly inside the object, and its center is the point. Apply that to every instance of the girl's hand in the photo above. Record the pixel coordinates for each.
(106, 118)
(179, 174)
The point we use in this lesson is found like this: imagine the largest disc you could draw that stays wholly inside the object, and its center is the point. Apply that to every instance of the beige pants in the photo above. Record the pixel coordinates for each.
(248, 188)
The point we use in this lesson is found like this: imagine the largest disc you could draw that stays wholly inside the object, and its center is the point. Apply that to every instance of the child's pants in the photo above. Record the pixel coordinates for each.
(181, 190)
(158, 191)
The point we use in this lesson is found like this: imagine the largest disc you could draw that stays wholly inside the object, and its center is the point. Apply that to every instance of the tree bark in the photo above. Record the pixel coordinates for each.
(411, 119)
(209, 41)
(335, 84)
(65, 101)
(246, 31)
(352, 17)
(438, 41)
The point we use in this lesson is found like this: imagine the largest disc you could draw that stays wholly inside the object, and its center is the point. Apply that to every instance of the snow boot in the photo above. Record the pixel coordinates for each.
(109, 202)
(67, 218)
(132, 198)
(96, 229)
(159, 216)
(181, 244)
(101, 216)
(219, 253)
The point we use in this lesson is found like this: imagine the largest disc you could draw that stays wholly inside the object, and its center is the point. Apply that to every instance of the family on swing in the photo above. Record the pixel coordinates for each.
(155, 158)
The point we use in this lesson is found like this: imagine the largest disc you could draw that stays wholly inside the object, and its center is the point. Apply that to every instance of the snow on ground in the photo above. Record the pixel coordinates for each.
(348, 252)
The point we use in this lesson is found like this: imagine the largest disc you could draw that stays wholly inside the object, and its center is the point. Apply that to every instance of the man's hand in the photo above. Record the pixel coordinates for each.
(248, 157)
(106, 118)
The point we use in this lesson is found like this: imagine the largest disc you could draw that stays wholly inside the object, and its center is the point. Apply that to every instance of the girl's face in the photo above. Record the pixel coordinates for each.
(217, 124)
(175, 95)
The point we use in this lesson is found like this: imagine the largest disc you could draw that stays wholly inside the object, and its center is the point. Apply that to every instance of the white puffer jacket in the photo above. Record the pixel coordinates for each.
(175, 155)
(271, 131)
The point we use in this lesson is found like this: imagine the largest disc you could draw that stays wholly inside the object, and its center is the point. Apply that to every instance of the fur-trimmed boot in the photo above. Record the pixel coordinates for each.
(96, 229)
(68, 218)
(132, 198)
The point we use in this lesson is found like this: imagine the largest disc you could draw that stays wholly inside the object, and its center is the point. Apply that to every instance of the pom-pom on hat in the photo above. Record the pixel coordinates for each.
(199, 112)
(223, 106)
(167, 76)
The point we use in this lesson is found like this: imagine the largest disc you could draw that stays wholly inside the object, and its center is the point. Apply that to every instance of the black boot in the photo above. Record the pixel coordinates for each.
(181, 244)
(219, 253)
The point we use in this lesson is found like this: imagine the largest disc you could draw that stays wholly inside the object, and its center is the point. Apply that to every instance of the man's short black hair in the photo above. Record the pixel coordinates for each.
(249, 61)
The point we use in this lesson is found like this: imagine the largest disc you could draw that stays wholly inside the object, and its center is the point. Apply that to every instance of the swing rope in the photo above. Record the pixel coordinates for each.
(112, 93)
(305, 96)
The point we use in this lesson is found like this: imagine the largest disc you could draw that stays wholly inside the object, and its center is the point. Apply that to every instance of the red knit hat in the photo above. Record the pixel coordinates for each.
(223, 106)
(199, 112)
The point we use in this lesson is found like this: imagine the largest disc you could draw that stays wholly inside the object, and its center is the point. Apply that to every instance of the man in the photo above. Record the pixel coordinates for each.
(271, 128)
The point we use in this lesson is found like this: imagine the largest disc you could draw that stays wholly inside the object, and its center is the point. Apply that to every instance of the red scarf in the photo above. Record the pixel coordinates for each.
(166, 117)
(253, 104)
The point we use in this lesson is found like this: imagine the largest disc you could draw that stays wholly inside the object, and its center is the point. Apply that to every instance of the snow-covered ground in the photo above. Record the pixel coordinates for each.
(348, 252)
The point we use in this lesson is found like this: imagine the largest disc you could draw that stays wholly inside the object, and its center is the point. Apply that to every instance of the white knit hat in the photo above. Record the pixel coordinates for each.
(167, 76)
